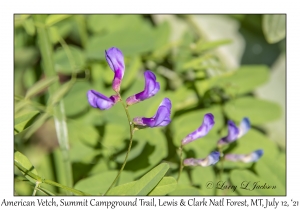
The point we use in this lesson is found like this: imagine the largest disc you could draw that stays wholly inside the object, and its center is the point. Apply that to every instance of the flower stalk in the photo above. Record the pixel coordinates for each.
(129, 146)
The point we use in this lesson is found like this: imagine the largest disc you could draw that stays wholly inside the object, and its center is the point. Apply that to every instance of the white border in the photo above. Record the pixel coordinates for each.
(154, 6)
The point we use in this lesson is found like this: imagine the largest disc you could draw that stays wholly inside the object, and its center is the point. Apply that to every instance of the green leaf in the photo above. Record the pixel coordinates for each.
(162, 34)
(202, 176)
(132, 71)
(165, 186)
(145, 184)
(25, 164)
(60, 31)
(210, 45)
(76, 99)
(24, 121)
(36, 125)
(61, 92)
(273, 27)
(246, 182)
(82, 153)
(243, 80)
(99, 183)
(25, 57)
(266, 167)
(98, 23)
(29, 27)
(185, 190)
(195, 62)
(121, 189)
(69, 60)
(257, 110)
(132, 34)
(240, 178)
(40, 86)
(45, 191)
(52, 19)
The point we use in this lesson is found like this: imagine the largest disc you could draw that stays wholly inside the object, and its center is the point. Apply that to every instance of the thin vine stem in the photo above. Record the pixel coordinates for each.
(222, 162)
(35, 188)
(46, 181)
(181, 165)
(129, 147)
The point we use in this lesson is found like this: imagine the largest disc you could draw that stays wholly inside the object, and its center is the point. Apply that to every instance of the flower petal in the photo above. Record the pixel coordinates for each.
(115, 60)
(98, 100)
(233, 132)
(161, 118)
(207, 124)
(244, 127)
(246, 158)
(150, 89)
(211, 159)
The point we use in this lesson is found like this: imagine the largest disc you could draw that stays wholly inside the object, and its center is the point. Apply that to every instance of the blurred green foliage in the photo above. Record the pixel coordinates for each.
(190, 73)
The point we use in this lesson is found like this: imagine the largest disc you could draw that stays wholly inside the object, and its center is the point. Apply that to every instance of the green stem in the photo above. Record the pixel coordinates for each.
(46, 50)
(129, 147)
(36, 186)
(46, 181)
(50, 182)
(222, 162)
(181, 161)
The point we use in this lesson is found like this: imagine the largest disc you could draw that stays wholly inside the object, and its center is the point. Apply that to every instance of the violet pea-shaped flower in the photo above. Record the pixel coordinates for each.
(232, 135)
(244, 127)
(207, 124)
(115, 60)
(211, 159)
(235, 132)
(246, 158)
(151, 88)
(98, 100)
(161, 118)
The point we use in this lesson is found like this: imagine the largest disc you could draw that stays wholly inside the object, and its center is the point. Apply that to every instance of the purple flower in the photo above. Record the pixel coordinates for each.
(252, 157)
(244, 127)
(161, 118)
(235, 132)
(211, 159)
(207, 124)
(115, 60)
(232, 135)
(98, 100)
(151, 88)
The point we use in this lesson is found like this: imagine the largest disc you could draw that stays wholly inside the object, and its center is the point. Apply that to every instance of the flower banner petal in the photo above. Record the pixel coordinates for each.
(151, 88)
(207, 124)
(115, 60)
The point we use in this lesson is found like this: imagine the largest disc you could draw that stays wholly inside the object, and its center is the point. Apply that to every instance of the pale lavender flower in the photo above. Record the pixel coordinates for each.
(235, 132)
(207, 124)
(211, 159)
(98, 100)
(232, 135)
(246, 158)
(151, 88)
(115, 60)
(161, 118)
(244, 127)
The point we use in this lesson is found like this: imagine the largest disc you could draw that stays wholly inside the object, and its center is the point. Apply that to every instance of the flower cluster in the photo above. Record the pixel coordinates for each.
(115, 60)
(207, 124)
(234, 133)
